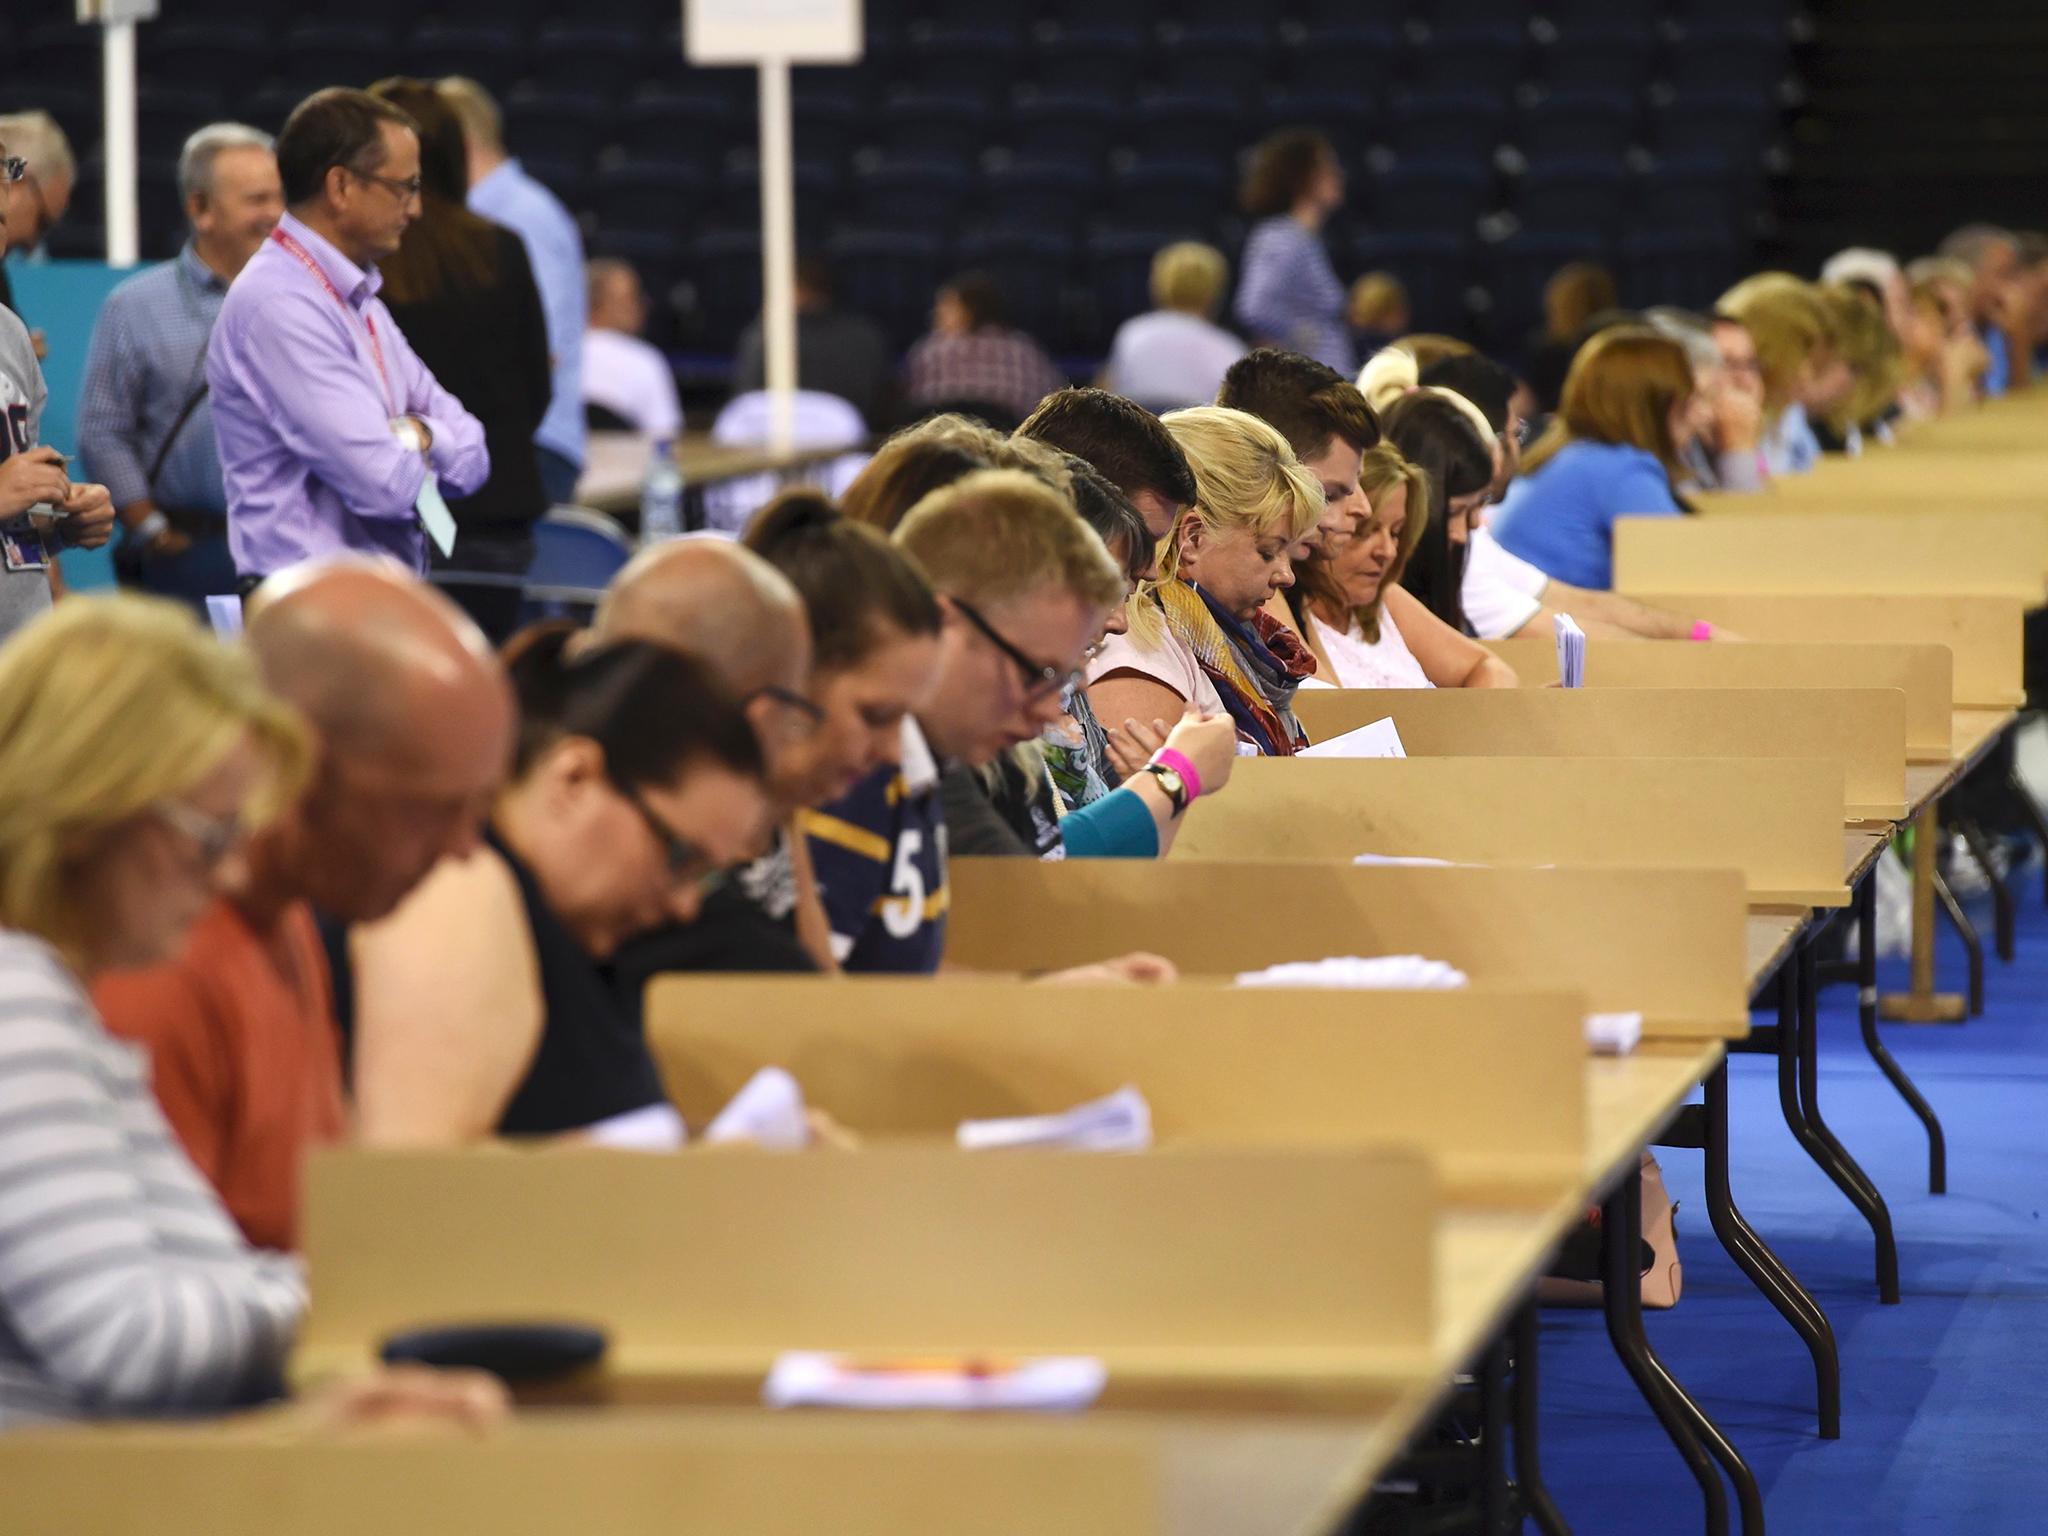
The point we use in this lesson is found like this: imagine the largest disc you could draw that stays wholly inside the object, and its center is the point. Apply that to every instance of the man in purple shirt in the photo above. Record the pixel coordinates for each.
(333, 434)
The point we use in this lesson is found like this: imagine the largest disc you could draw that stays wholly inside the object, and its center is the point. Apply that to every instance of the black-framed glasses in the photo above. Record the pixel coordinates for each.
(811, 715)
(1040, 679)
(684, 861)
(405, 190)
(12, 169)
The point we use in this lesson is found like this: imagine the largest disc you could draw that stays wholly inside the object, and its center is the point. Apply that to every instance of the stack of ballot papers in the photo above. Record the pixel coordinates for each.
(768, 1112)
(1571, 652)
(1379, 739)
(1404, 973)
(1122, 1122)
(1050, 1383)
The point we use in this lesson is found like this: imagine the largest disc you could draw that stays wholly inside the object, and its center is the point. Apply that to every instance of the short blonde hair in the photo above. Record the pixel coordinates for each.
(999, 534)
(37, 137)
(109, 706)
(1189, 276)
(1377, 299)
(475, 108)
(1246, 476)
(1786, 318)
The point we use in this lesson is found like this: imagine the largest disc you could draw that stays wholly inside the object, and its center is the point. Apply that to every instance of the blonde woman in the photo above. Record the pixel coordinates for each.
(135, 757)
(1176, 355)
(1795, 349)
(1199, 636)
(1341, 600)
(1873, 370)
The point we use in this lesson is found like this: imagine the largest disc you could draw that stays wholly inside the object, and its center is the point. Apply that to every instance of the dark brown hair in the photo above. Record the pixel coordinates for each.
(1282, 166)
(337, 126)
(447, 248)
(1310, 403)
(1121, 440)
(653, 710)
(858, 589)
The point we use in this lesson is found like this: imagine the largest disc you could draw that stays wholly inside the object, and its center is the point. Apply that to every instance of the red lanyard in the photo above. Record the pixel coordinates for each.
(376, 350)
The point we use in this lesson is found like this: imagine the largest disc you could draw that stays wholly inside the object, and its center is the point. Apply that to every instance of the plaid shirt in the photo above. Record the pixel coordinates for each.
(999, 366)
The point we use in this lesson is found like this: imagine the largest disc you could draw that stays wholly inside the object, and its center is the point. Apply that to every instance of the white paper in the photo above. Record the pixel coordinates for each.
(1613, 1034)
(1381, 972)
(768, 1112)
(1571, 652)
(225, 615)
(1379, 739)
(651, 1128)
(1405, 861)
(1050, 1383)
(1121, 1122)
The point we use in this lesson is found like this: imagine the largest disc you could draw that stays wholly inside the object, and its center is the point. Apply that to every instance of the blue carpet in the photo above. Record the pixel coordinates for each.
(1943, 1396)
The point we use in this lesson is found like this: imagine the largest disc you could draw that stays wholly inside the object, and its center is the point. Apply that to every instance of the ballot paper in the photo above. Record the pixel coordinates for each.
(1382, 972)
(1613, 1034)
(1571, 652)
(224, 613)
(1048, 1383)
(1122, 1122)
(768, 1112)
(1379, 739)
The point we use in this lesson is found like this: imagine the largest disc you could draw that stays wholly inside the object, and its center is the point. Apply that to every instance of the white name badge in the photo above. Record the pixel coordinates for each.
(435, 516)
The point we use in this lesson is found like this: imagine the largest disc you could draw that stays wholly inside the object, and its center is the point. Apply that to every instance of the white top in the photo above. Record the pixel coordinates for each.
(1166, 359)
(1170, 662)
(1502, 591)
(1384, 663)
(631, 379)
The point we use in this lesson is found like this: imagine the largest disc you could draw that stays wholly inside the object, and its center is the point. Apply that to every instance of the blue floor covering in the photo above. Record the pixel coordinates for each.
(1944, 1397)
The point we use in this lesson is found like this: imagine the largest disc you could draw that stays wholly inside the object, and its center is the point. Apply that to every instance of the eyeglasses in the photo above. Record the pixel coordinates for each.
(788, 698)
(12, 169)
(212, 840)
(1040, 680)
(406, 190)
(686, 863)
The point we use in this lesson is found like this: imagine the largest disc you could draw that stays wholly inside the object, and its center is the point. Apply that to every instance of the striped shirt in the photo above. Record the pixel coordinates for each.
(1288, 295)
(124, 1287)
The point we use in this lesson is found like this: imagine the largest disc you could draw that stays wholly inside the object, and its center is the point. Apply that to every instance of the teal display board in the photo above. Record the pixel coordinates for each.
(62, 299)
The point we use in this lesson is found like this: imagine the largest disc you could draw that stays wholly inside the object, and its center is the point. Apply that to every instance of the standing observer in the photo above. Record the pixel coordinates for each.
(501, 191)
(333, 434)
(145, 424)
(461, 288)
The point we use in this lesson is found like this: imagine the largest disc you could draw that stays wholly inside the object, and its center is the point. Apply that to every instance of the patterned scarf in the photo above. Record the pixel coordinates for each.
(1256, 667)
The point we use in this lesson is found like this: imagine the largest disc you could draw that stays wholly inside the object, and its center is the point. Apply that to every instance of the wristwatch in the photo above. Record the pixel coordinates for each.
(1175, 788)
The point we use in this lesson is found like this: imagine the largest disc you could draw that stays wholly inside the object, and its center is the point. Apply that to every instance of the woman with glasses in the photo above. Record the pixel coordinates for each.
(483, 1005)
(1200, 636)
(136, 755)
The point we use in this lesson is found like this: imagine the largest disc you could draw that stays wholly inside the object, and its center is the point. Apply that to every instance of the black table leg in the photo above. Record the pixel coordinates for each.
(1866, 1017)
(2001, 898)
(1535, 1495)
(1764, 1268)
(1621, 1223)
(1496, 1494)
(1862, 1192)
(1973, 947)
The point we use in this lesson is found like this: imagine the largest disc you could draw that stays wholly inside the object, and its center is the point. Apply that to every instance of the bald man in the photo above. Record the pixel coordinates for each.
(725, 605)
(413, 722)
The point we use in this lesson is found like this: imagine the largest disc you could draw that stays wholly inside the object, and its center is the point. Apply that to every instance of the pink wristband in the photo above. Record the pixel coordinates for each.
(1701, 631)
(1172, 757)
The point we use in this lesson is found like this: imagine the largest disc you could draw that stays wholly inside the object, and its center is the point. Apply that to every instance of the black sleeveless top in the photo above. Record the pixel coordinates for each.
(592, 1062)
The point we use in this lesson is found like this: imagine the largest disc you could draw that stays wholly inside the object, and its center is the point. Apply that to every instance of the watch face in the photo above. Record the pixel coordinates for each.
(1170, 781)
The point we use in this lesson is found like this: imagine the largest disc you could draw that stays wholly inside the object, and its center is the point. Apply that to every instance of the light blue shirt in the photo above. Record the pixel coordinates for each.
(1561, 518)
(510, 197)
(1789, 446)
(1998, 376)
(147, 358)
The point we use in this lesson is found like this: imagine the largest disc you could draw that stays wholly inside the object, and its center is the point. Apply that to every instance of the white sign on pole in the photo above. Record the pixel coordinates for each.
(753, 31)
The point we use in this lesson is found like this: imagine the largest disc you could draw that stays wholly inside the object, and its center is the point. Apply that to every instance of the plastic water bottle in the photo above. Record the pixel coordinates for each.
(661, 495)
